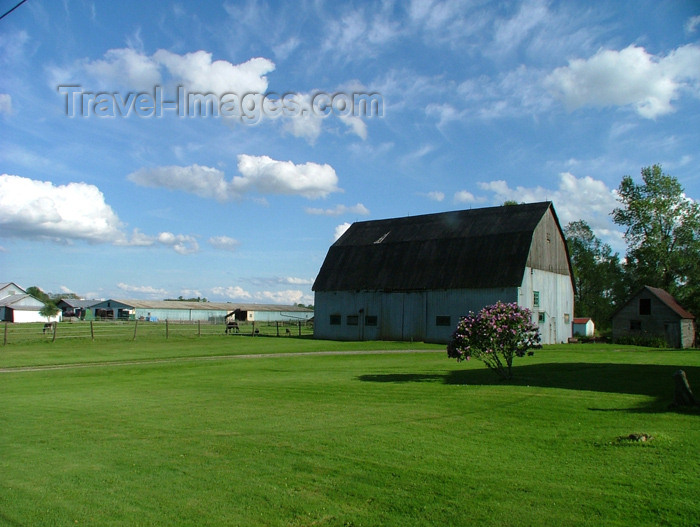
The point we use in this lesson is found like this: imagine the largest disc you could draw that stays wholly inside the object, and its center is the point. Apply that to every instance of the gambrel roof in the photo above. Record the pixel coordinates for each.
(476, 248)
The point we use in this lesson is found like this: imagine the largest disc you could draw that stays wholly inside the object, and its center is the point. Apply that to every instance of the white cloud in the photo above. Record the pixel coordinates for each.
(340, 230)
(692, 24)
(286, 48)
(268, 176)
(181, 243)
(292, 280)
(225, 243)
(5, 103)
(287, 297)
(356, 125)
(574, 199)
(630, 77)
(191, 293)
(258, 174)
(232, 292)
(339, 210)
(198, 73)
(202, 181)
(435, 195)
(67, 213)
(512, 32)
(125, 67)
(464, 196)
(40, 209)
(142, 289)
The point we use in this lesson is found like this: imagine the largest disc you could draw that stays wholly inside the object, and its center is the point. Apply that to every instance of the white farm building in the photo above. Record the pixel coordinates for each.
(412, 278)
(213, 312)
(18, 306)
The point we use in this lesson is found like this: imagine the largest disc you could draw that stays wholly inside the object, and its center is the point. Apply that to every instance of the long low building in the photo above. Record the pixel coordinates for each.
(213, 312)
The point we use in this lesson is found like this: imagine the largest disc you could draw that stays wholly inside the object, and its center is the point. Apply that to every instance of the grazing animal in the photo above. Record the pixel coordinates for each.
(288, 332)
(47, 327)
(232, 327)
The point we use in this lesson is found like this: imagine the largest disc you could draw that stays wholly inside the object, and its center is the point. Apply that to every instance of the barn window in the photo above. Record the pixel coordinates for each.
(541, 317)
(635, 325)
(352, 320)
(371, 320)
(335, 320)
(443, 320)
(566, 318)
(536, 298)
(645, 306)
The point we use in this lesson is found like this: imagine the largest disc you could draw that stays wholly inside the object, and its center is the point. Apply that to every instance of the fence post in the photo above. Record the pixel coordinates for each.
(277, 323)
(166, 328)
(199, 328)
(136, 324)
(55, 325)
(300, 328)
(4, 339)
(252, 331)
(92, 331)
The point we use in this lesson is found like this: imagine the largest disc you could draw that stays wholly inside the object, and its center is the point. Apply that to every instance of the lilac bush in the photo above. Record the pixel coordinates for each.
(495, 335)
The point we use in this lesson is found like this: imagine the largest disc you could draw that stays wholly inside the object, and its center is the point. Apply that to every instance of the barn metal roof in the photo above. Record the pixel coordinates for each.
(477, 248)
(670, 301)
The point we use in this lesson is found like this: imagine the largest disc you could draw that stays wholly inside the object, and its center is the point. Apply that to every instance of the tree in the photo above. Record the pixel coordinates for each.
(598, 274)
(48, 310)
(37, 293)
(662, 234)
(495, 336)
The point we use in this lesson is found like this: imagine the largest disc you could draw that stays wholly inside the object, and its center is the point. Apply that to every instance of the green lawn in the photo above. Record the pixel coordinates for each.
(380, 439)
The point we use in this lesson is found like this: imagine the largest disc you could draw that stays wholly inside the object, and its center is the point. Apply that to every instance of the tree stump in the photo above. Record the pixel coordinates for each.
(682, 395)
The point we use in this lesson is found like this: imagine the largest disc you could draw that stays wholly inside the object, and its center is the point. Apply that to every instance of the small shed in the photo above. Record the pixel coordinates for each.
(583, 327)
(654, 313)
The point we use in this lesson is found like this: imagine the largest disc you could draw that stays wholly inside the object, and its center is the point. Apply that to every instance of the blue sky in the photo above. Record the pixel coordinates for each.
(478, 103)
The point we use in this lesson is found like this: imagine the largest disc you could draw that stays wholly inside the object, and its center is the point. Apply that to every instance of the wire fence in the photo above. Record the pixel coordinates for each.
(138, 330)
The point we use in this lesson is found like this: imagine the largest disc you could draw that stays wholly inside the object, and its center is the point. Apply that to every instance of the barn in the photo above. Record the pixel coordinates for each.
(412, 278)
(18, 306)
(654, 313)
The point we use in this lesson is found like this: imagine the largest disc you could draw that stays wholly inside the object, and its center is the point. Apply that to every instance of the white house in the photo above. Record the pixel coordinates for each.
(412, 278)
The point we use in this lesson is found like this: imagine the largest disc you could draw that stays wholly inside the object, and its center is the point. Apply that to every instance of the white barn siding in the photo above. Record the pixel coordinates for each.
(556, 303)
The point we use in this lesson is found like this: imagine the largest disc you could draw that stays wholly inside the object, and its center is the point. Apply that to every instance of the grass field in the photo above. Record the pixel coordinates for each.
(211, 432)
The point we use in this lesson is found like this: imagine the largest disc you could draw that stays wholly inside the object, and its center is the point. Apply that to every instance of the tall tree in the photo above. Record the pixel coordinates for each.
(662, 234)
(598, 274)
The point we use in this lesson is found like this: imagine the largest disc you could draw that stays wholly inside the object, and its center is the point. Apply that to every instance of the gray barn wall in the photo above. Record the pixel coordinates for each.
(681, 334)
(400, 316)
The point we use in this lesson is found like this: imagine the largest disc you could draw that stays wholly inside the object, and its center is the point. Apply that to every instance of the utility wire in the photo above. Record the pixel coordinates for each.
(10, 11)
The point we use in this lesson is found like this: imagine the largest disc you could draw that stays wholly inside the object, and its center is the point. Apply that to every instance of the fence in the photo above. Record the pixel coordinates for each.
(138, 329)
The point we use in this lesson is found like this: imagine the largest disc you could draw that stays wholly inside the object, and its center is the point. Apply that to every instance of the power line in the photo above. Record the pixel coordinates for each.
(10, 11)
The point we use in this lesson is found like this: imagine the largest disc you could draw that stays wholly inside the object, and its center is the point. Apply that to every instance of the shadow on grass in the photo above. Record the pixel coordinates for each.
(654, 381)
